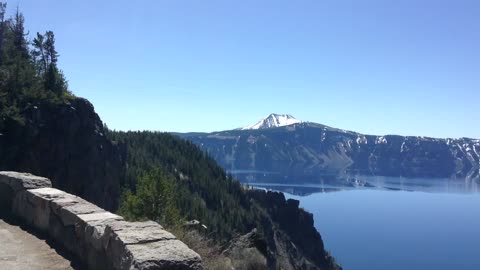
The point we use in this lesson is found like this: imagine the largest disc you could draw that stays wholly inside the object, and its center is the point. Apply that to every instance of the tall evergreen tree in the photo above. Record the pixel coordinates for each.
(17, 27)
(18, 73)
(52, 54)
(39, 54)
(154, 198)
(54, 80)
(3, 8)
(3, 23)
(45, 56)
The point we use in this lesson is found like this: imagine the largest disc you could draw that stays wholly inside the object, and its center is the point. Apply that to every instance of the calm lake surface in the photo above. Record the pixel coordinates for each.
(379, 223)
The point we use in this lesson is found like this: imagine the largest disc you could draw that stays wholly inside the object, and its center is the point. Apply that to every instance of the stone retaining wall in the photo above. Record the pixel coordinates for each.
(100, 239)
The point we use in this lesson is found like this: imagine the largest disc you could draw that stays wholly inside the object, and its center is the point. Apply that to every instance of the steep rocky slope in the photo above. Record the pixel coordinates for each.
(308, 149)
(292, 238)
(64, 142)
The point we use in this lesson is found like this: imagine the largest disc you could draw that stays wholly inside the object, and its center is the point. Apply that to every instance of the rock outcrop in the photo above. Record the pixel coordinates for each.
(293, 239)
(65, 142)
(100, 239)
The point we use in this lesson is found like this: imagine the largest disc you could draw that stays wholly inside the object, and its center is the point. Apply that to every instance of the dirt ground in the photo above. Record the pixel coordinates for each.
(20, 249)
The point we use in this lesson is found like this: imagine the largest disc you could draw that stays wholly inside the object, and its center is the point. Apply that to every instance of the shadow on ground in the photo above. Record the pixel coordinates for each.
(10, 220)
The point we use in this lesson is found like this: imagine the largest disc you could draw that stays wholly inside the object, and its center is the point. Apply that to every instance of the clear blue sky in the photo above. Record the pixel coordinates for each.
(407, 67)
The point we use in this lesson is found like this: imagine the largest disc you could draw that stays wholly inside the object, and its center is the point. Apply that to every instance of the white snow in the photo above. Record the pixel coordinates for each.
(274, 120)
(381, 140)
(460, 148)
(362, 140)
(402, 148)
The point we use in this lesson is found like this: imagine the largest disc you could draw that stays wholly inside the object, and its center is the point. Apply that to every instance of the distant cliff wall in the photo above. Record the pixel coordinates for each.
(100, 239)
(311, 149)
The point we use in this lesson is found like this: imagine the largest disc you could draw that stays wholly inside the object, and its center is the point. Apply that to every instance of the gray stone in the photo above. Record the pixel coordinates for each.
(70, 214)
(139, 232)
(95, 233)
(63, 234)
(168, 254)
(49, 193)
(21, 181)
(38, 205)
(100, 216)
(67, 200)
(34, 205)
(122, 233)
(146, 245)
(22, 208)
(6, 197)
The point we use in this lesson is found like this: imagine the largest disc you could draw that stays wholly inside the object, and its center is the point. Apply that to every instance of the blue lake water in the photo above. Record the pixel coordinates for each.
(381, 223)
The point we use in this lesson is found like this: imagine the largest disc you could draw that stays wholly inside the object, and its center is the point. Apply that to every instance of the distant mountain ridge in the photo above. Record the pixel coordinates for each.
(306, 148)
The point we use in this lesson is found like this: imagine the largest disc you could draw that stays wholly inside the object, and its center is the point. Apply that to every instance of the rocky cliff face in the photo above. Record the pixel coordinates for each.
(66, 143)
(293, 239)
(308, 148)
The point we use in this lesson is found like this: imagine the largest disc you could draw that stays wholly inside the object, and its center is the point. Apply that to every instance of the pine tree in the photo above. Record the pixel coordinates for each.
(3, 7)
(54, 80)
(39, 54)
(18, 73)
(45, 56)
(50, 51)
(154, 199)
(17, 27)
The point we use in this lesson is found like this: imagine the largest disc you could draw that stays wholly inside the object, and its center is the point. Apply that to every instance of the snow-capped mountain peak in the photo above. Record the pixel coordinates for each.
(274, 120)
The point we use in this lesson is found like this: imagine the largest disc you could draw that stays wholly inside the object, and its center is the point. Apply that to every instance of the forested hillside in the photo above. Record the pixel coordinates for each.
(202, 189)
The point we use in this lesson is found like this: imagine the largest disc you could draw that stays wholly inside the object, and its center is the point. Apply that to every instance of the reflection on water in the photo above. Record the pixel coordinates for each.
(299, 190)
(329, 183)
(378, 229)
(378, 223)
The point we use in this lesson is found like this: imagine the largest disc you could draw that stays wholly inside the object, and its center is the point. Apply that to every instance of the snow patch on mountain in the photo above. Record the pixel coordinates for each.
(381, 140)
(274, 120)
(362, 140)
